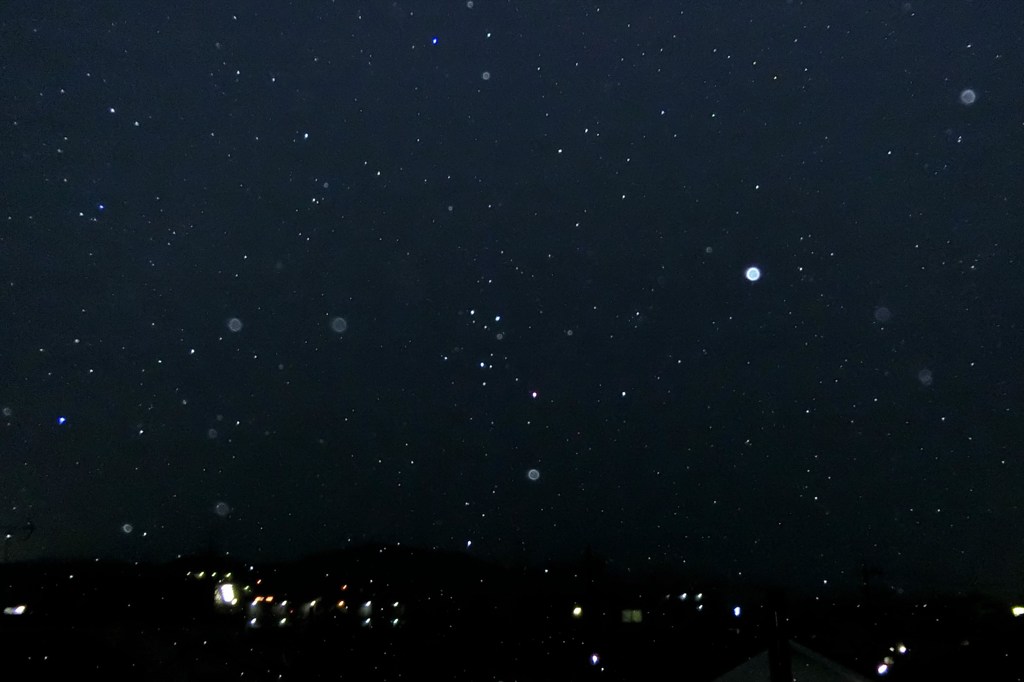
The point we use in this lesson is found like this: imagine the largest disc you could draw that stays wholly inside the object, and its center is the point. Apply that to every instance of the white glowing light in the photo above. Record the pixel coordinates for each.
(1017, 611)
(736, 611)
(14, 610)
(533, 474)
(753, 273)
(226, 594)
(883, 668)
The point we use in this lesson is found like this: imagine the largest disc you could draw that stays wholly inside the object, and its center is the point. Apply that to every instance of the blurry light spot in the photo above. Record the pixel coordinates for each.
(486, 75)
(533, 474)
(736, 611)
(882, 314)
(339, 325)
(753, 273)
(883, 668)
(235, 324)
(222, 509)
(127, 528)
(968, 97)
(925, 377)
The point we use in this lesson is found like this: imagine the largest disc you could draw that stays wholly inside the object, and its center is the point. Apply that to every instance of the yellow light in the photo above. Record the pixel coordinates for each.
(1017, 611)
(577, 612)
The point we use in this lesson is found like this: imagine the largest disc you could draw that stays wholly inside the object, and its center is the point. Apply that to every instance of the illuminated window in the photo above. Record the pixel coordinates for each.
(632, 616)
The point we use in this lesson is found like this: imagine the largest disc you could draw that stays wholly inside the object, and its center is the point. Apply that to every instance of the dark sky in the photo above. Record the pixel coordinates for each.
(283, 277)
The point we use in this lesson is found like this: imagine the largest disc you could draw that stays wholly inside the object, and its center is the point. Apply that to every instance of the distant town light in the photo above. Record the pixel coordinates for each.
(1017, 611)
(226, 594)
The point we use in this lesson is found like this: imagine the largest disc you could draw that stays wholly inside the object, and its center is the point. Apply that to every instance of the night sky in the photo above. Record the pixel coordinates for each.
(280, 278)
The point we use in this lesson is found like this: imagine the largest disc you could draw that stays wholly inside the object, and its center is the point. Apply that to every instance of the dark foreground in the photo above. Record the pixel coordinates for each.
(386, 613)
